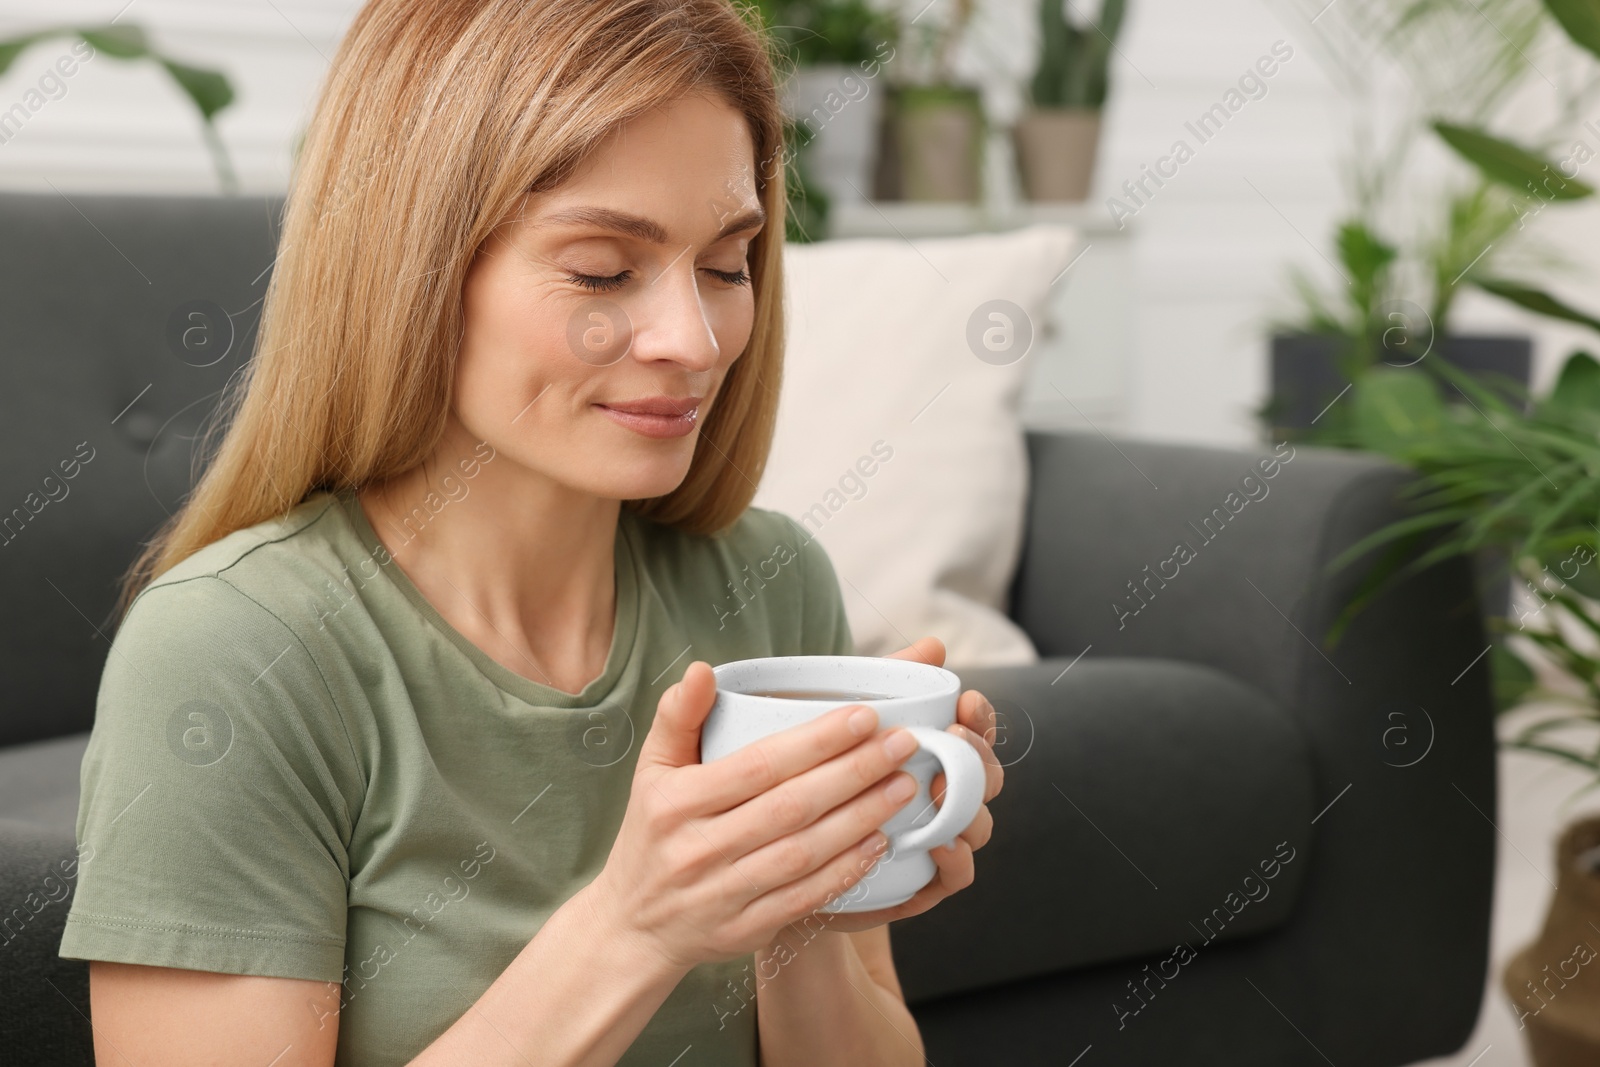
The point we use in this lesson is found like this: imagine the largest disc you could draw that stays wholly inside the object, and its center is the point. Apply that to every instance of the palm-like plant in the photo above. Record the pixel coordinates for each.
(1518, 478)
(1462, 61)
(1495, 477)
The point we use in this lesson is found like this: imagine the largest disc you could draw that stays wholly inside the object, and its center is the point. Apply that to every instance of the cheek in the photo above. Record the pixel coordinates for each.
(732, 325)
(513, 342)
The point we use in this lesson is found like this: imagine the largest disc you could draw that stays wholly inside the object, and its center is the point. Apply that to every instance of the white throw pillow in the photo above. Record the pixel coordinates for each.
(899, 449)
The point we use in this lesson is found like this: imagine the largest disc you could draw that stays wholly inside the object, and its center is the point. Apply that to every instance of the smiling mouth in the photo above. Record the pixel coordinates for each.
(654, 425)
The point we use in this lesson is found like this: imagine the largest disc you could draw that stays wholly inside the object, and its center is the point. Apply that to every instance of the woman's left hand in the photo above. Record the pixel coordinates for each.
(975, 721)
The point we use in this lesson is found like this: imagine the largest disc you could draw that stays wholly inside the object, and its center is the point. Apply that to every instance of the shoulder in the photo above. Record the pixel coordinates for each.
(284, 573)
(273, 554)
(200, 669)
(220, 623)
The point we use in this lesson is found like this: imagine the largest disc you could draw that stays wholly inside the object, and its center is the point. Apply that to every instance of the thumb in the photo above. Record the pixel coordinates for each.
(674, 737)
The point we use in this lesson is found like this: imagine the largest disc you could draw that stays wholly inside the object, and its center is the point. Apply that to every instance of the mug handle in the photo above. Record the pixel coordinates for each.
(964, 781)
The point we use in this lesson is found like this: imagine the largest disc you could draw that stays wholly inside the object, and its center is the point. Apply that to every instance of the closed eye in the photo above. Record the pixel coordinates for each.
(610, 283)
(598, 283)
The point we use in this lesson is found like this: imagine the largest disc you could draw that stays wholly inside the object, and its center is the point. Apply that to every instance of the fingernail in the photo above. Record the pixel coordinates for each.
(901, 789)
(898, 745)
(875, 844)
(862, 721)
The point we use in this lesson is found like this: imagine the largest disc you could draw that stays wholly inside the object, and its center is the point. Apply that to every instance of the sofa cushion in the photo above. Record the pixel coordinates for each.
(1148, 804)
(897, 446)
(44, 1003)
(39, 781)
(110, 363)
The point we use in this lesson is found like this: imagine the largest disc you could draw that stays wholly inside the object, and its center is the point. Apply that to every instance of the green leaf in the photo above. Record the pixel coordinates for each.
(1398, 528)
(11, 49)
(1511, 678)
(1536, 300)
(1577, 388)
(1395, 410)
(1558, 753)
(1385, 572)
(1472, 387)
(1510, 164)
(119, 42)
(1364, 253)
(209, 89)
(1581, 20)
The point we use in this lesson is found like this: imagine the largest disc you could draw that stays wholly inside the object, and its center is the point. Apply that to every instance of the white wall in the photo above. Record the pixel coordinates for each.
(125, 125)
(1212, 244)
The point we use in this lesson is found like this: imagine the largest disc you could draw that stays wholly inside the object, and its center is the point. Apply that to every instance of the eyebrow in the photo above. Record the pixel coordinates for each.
(640, 227)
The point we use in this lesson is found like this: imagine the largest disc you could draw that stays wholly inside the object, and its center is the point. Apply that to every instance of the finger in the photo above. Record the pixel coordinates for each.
(994, 775)
(976, 713)
(794, 900)
(674, 737)
(955, 864)
(954, 870)
(762, 765)
(979, 830)
(795, 855)
(923, 650)
(925, 898)
(837, 789)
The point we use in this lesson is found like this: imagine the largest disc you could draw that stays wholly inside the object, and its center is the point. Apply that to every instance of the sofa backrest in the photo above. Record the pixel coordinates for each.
(121, 319)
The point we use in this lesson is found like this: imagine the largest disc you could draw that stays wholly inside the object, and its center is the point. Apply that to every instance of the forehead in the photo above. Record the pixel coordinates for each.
(687, 168)
(689, 144)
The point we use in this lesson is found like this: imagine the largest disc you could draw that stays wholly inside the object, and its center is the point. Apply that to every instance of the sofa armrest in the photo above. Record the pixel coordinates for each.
(44, 1002)
(1147, 803)
(1394, 919)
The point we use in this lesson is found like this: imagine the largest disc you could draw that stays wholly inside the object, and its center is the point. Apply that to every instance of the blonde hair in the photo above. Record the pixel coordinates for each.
(436, 118)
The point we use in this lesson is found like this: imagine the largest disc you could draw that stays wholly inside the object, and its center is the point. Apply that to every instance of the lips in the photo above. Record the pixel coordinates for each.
(658, 416)
(656, 405)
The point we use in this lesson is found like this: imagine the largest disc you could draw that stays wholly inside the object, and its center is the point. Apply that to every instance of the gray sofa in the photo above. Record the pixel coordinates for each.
(1219, 842)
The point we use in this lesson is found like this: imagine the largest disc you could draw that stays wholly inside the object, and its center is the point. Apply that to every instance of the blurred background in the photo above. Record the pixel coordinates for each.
(1276, 200)
(1197, 267)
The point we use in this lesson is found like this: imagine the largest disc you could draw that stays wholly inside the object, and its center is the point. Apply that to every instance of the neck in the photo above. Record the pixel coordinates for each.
(517, 562)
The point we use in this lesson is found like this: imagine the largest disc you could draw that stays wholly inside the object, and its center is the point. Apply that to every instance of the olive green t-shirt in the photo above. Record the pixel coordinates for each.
(298, 768)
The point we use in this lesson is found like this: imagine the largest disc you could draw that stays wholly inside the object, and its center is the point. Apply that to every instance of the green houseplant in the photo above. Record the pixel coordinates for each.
(1057, 138)
(831, 55)
(1526, 482)
(208, 90)
(936, 128)
(1397, 282)
(1502, 475)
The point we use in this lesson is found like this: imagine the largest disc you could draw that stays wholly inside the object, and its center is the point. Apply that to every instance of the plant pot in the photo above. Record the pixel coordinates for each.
(938, 136)
(1306, 376)
(1306, 379)
(838, 111)
(1554, 983)
(1056, 152)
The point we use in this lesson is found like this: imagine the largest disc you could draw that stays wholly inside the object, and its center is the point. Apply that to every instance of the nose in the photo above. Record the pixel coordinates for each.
(669, 320)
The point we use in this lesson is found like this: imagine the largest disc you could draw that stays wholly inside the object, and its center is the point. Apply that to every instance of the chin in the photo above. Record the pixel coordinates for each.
(642, 481)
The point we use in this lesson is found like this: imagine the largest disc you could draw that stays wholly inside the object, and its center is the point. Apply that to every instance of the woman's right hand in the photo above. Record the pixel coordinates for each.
(712, 860)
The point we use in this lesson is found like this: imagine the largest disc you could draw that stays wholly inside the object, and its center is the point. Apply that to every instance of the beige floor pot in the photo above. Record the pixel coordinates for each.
(1056, 150)
(939, 136)
(1554, 983)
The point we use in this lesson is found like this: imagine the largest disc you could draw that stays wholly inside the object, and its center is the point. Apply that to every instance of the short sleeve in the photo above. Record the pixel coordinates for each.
(825, 626)
(217, 795)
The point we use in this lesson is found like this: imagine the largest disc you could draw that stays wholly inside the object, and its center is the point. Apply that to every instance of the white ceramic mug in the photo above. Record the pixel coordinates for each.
(918, 696)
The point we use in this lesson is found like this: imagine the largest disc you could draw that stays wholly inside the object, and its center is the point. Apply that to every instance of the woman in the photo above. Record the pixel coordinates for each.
(374, 778)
